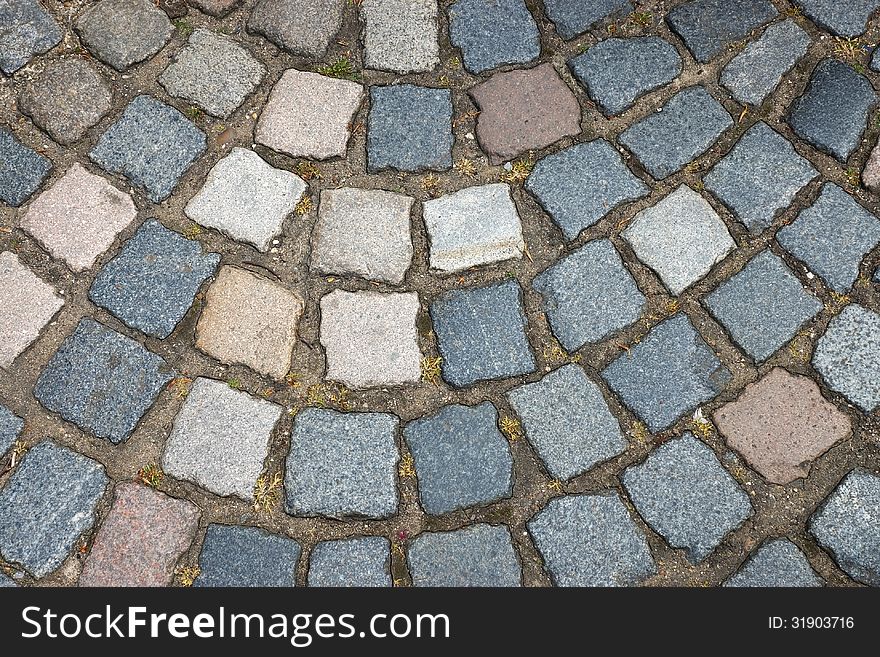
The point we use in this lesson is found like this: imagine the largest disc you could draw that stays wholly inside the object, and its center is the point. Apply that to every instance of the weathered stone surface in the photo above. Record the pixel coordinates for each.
(754, 73)
(28, 30)
(491, 33)
(762, 306)
(141, 539)
(215, 7)
(342, 464)
(303, 27)
(871, 174)
(400, 35)
(708, 26)
(591, 540)
(66, 99)
(581, 184)
(47, 503)
(759, 177)
(79, 217)
(102, 381)
(28, 305)
(10, 427)
(568, 421)
(479, 555)
(220, 438)
(481, 334)
(780, 424)
(6, 582)
(524, 110)
(682, 491)
(683, 129)
(833, 112)
(776, 563)
(308, 115)
(670, 371)
(681, 238)
(409, 128)
(832, 237)
(588, 295)
(848, 525)
(364, 561)
(363, 232)
(461, 458)
(370, 338)
(616, 72)
(471, 227)
(848, 356)
(573, 17)
(124, 32)
(847, 18)
(246, 556)
(214, 72)
(246, 198)
(152, 144)
(151, 284)
(23, 170)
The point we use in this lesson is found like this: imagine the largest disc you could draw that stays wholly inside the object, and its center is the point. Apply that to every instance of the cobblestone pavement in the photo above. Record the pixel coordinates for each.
(477, 292)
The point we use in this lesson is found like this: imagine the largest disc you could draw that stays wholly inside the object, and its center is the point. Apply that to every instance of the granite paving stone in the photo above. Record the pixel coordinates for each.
(763, 306)
(308, 115)
(567, 420)
(848, 18)
(66, 99)
(479, 555)
(342, 464)
(871, 173)
(681, 238)
(684, 493)
(141, 539)
(79, 217)
(481, 334)
(217, 8)
(591, 540)
(220, 438)
(363, 232)
(246, 556)
(48, 502)
(152, 144)
(471, 227)
(361, 561)
(28, 30)
(28, 303)
(524, 110)
(848, 356)
(759, 177)
(754, 73)
(581, 184)
(875, 60)
(671, 371)
(682, 130)
(781, 424)
(214, 72)
(400, 35)
(409, 128)
(832, 237)
(153, 281)
(124, 32)
(250, 320)
(492, 33)
(302, 27)
(10, 427)
(616, 72)
(102, 381)
(588, 295)
(23, 170)
(246, 198)
(6, 582)
(776, 563)
(708, 26)
(461, 458)
(833, 112)
(574, 17)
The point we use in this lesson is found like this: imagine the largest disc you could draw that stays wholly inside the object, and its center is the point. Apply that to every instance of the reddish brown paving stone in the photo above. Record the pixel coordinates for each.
(780, 424)
(524, 110)
(141, 539)
(871, 174)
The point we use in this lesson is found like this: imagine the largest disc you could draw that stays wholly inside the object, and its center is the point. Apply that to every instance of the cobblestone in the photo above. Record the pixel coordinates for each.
(122, 33)
(303, 27)
(246, 556)
(28, 30)
(479, 555)
(491, 33)
(776, 563)
(573, 17)
(23, 170)
(708, 26)
(10, 428)
(352, 562)
(400, 35)
(848, 18)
